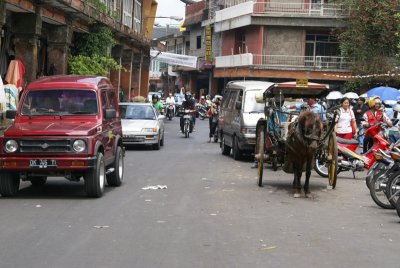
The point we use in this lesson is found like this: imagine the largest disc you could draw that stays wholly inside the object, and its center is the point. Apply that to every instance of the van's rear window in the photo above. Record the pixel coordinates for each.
(60, 102)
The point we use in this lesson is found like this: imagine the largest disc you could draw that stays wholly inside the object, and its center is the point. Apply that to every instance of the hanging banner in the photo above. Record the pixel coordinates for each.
(174, 59)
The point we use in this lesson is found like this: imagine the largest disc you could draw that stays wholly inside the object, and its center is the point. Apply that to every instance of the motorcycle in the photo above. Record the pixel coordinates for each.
(170, 110)
(348, 159)
(378, 177)
(186, 122)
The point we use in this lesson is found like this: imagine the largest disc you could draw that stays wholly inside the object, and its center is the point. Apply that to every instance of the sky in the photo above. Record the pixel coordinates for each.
(168, 8)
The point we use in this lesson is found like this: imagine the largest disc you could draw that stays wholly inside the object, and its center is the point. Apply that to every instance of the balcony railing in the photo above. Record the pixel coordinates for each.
(284, 62)
(314, 62)
(304, 8)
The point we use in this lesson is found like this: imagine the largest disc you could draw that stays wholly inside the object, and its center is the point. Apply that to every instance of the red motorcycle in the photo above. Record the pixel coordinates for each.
(348, 159)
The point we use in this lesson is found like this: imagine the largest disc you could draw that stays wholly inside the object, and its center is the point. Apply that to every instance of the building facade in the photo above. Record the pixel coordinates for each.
(281, 40)
(263, 40)
(41, 34)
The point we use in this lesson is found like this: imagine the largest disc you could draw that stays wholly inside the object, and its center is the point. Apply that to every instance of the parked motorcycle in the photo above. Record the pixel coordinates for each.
(348, 159)
(378, 177)
(170, 110)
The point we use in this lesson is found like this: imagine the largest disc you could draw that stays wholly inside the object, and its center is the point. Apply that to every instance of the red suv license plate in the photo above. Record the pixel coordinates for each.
(42, 163)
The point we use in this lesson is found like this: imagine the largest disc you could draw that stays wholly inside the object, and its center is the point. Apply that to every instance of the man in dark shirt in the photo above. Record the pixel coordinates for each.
(188, 104)
(359, 111)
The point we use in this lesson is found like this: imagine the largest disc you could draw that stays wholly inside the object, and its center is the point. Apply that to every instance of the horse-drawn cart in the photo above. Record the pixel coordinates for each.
(273, 131)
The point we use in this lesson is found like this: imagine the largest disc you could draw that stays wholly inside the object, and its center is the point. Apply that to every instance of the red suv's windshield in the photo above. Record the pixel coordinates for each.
(60, 102)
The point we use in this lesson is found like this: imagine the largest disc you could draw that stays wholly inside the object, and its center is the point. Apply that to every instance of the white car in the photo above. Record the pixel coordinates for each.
(141, 124)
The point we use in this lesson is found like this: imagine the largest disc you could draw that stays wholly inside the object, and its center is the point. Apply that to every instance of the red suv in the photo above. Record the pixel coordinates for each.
(65, 126)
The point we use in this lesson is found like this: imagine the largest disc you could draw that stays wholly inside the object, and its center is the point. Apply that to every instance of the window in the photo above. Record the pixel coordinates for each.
(127, 13)
(137, 19)
(322, 45)
(198, 42)
(103, 100)
(232, 100)
(60, 101)
(225, 100)
(112, 100)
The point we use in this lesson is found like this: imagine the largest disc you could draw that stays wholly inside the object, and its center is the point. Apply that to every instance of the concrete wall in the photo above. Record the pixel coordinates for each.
(193, 37)
(227, 42)
(253, 37)
(284, 41)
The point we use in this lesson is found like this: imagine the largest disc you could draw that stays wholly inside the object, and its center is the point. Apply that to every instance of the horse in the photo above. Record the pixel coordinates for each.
(303, 139)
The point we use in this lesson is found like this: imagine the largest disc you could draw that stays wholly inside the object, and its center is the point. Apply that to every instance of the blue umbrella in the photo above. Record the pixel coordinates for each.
(385, 93)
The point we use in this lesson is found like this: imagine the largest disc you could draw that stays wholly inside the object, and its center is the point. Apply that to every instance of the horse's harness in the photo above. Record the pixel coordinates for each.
(294, 128)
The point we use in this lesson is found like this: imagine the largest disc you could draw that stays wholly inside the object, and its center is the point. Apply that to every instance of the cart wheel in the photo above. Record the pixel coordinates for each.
(332, 160)
(260, 143)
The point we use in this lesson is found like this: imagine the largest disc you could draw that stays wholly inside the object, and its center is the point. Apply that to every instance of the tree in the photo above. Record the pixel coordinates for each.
(90, 56)
(372, 39)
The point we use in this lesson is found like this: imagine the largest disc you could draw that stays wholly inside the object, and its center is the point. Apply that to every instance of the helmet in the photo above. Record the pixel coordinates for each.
(396, 107)
(154, 97)
(188, 95)
(372, 100)
(217, 98)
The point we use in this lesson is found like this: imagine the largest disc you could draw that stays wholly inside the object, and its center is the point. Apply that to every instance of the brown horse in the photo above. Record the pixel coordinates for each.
(303, 139)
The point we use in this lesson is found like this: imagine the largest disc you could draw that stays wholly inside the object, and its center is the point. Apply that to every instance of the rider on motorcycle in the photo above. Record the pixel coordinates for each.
(188, 104)
(371, 117)
(157, 103)
(170, 100)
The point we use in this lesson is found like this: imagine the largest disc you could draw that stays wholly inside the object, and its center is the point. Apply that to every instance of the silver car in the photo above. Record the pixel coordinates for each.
(141, 124)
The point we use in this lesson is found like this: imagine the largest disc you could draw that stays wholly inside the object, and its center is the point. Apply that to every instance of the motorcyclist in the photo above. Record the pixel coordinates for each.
(371, 117)
(188, 104)
(170, 100)
(157, 103)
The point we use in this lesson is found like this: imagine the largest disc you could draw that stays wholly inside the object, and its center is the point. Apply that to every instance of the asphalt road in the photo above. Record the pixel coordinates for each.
(212, 214)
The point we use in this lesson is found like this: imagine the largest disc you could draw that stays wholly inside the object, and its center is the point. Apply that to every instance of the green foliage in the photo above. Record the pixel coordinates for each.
(91, 65)
(96, 42)
(100, 6)
(372, 37)
(90, 56)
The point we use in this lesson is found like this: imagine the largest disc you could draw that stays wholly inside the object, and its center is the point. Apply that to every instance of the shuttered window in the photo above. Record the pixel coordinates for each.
(127, 13)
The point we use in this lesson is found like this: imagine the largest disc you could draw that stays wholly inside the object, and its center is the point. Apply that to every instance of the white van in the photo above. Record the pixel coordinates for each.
(239, 115)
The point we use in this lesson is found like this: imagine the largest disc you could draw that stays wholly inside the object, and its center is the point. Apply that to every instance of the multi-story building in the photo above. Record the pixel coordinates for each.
(41, 33)
(169, 39)
(280, 40)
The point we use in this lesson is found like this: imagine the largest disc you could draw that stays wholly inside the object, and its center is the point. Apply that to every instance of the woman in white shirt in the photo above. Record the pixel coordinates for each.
(346, 124)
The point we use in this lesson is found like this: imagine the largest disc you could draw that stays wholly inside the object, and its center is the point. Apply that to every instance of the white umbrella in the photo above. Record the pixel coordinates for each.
(351, 95)
(364, 95)
(334, 95)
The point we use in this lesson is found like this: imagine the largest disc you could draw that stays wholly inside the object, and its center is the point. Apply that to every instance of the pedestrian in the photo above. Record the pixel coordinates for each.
(359, 109)
(312, 106)
(213, 116)
(394, 131)
(345, 127)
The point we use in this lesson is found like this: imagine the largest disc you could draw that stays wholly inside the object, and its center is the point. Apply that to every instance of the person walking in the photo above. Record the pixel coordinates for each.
(345, 127)
(213, 114)
(359, 111)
